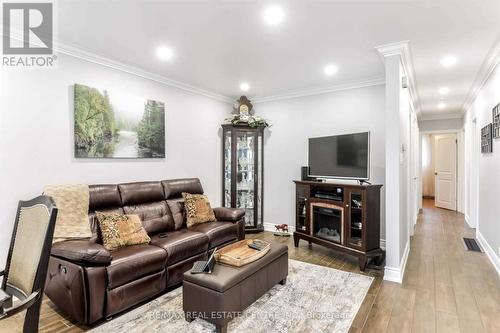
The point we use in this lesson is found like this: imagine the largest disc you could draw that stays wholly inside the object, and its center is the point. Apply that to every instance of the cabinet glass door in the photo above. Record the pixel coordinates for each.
(301, 206)
(227, 168)
(356, 219)
(260, 167)
(245, 175)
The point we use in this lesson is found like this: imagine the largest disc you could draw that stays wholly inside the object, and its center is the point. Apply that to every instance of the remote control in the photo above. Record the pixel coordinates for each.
(256, 246)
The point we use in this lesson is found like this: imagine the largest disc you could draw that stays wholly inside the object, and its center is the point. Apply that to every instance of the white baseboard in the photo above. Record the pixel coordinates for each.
(490, 253)
(396, 274)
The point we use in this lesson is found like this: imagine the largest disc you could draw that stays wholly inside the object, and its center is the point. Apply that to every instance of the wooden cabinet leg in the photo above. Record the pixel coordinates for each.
(379, 260)
(362, 263)
(296, 240)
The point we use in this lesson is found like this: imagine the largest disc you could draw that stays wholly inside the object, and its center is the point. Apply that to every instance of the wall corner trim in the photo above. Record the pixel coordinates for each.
(402, 49)
(490, 253)
(396, 274)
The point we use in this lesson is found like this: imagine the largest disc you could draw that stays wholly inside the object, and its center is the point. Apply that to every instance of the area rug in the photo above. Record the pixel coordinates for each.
(314, 299)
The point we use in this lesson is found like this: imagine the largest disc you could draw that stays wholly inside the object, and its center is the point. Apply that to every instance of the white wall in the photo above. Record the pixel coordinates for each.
(36, 130)
(295, 120)
(488, 224)
(440, 124)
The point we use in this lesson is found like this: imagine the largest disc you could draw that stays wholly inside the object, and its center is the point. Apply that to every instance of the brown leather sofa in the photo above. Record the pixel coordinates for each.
(89, 283)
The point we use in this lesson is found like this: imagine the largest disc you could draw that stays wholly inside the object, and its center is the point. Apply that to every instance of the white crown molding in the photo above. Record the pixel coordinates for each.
(94, 58)
(75, 52)
(488, 66)
(440, 116)
(402, 49)
(79, 53)
(318, 91)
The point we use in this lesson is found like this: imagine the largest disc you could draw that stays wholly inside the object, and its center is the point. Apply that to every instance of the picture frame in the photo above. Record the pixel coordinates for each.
(116, 124)
(487, 139)
(496, 121)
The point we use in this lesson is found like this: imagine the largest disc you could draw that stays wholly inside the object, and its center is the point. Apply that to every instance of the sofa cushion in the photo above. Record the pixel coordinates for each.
(155, 216)
(104, 197)
(140, 192)
(178, 213)
(217, 232)
(197, 209)
(133, 262)
(181, 244)
(174, 188)
(94, 223)
(119, 230)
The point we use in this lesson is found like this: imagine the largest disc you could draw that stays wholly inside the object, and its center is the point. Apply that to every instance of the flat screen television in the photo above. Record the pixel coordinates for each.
(340, 156)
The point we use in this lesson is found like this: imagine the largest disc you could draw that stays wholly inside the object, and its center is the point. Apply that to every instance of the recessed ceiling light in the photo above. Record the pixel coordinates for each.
(331, 70)
(244, 86)
(441, 105)
(164, 53)
(273, 15)
(449, 61)
(444, 90)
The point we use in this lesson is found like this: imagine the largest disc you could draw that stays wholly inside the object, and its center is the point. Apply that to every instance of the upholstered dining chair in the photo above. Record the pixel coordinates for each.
(27, 261)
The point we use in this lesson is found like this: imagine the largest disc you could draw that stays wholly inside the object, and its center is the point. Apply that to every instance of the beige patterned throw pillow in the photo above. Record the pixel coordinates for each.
(72, 201)
(119, 230)
(198, 209)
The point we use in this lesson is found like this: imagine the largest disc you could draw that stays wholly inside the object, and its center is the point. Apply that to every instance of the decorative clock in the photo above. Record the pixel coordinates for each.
(243, 114)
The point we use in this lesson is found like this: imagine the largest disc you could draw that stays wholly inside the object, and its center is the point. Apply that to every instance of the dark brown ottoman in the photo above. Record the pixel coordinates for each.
(224, 294)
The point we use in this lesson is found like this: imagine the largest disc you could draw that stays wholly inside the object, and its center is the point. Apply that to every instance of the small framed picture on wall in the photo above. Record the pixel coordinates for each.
(487, 139)
(496, 121)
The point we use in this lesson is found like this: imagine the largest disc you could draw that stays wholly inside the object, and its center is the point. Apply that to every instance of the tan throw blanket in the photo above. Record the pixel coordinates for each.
(72, 201)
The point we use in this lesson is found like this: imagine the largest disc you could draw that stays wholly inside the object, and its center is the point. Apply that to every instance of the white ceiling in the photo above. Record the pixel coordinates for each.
(219, 43)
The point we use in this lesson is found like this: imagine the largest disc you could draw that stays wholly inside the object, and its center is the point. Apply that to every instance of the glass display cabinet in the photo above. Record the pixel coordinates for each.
(242, 172)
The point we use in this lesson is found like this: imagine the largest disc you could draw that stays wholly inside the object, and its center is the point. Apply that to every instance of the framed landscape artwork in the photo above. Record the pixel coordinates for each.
(113, 124)
(486, 139)
(496, 121)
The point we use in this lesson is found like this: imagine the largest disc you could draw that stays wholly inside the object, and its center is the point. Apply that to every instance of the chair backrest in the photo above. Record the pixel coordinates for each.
(30, 246)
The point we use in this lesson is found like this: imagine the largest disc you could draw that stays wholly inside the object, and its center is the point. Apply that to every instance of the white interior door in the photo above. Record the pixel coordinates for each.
(446, 171)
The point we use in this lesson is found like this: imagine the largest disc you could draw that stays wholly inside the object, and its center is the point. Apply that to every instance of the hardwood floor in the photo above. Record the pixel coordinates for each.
(445, 289)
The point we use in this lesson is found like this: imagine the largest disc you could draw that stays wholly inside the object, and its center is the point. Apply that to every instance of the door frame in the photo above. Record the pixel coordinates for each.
(460, 163)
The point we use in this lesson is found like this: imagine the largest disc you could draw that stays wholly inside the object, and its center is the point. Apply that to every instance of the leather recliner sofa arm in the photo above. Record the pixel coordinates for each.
(229, 214)
(82, 252)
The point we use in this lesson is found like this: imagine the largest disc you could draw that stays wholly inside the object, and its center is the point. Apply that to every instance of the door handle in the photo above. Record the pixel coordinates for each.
(435, 173)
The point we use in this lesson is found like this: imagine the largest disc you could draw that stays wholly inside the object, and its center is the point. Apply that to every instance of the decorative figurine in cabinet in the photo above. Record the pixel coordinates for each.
(242, 172)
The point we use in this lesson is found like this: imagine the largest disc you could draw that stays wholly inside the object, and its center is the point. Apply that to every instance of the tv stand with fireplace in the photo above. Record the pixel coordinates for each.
(341, 217)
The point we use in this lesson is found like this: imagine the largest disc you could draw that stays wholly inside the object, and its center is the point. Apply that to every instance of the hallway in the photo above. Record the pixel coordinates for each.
(445, 289)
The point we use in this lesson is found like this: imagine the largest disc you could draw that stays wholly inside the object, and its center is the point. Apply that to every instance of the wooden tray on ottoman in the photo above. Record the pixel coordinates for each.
(239, 254)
